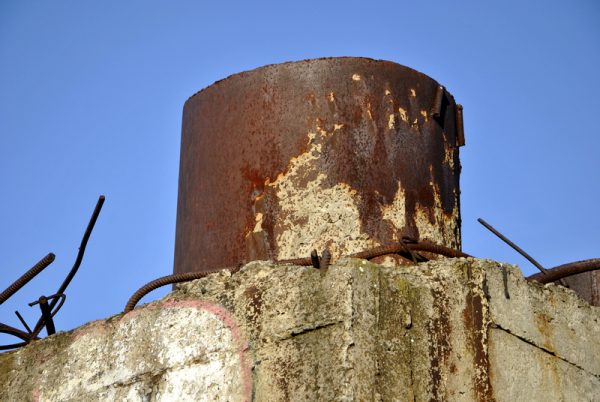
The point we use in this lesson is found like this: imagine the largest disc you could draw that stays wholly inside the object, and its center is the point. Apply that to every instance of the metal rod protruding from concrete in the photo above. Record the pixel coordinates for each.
(26, 277)
(513, 245)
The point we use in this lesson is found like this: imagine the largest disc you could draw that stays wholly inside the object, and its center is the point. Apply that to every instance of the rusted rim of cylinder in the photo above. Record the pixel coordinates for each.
(316, 59)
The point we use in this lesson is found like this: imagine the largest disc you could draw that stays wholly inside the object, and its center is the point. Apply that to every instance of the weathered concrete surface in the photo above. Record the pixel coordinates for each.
(460, 330)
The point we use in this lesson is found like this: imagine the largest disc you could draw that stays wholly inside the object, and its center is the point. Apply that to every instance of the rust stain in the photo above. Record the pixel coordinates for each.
(542, 322)
(439, 347)
(477, 333)
(254, 296)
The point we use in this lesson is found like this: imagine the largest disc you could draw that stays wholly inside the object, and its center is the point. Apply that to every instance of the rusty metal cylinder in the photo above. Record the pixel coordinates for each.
(343, 153)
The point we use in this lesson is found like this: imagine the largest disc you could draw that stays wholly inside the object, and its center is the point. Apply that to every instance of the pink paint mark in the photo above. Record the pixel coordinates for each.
(35, 394)
(135, 312)
(95, 327)
(238, 336)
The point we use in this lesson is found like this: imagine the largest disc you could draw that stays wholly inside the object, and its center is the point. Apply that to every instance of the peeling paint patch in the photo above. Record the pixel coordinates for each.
(413, 93)
(369, 108)
(356, 77)
(314, 215)
(331, 97)
(387, 92)
(403, 114)
(435, 225)
(395, 212)
(449, 155)
(391, 121)
(259, 221)
(425, 115)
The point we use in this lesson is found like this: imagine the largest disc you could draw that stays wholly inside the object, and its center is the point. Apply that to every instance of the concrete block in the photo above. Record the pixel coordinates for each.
(460, 330)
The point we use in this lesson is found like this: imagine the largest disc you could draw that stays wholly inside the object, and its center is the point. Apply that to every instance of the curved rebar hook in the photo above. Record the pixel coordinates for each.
(86, 236)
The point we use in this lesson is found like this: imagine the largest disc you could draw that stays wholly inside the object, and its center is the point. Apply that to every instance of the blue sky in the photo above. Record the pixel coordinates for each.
(92, 94)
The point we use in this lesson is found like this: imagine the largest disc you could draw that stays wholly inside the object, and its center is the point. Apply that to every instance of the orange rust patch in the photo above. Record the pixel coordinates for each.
(542, 322)
(476, 328)
(439, 347)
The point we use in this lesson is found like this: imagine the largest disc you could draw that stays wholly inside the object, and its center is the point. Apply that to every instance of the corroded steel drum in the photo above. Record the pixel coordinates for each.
(344, 153)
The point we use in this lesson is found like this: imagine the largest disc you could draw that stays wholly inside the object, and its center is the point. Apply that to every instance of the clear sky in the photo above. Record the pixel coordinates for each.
(91, 96)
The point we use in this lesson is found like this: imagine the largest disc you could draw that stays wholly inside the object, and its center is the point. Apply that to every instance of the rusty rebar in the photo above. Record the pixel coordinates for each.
(399, 247)
(513, 245)
(46, 315)
(296, 261)
(169, 280)
(392, 248)
(84, 240)
(437, 249)
(7, 329)
(324, 262)
(20, 317)
(565, 270)
(26, 277)
(13, 345)
(413, 256)
(314, 259)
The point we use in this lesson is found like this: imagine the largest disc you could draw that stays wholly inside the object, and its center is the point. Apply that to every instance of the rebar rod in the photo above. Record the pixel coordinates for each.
(565, 270)
(26, 277)
(86, 236)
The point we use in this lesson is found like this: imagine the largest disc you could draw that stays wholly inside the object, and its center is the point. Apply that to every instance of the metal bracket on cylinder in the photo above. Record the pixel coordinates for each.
(436, 108)
(460, 128)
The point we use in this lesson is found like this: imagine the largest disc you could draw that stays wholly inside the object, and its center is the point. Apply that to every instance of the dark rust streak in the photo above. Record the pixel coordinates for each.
(476, 327)
(439, 347)
(325, 260)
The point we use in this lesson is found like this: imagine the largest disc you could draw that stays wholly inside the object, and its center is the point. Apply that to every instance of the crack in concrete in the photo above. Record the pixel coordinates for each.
(157, 373)
(303, 330)
(532, 343)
